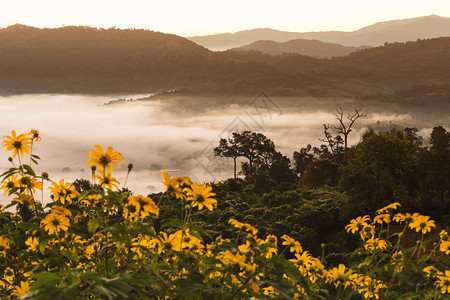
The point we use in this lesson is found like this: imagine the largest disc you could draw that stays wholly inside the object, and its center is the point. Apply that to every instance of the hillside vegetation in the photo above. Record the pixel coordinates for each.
(108, 61)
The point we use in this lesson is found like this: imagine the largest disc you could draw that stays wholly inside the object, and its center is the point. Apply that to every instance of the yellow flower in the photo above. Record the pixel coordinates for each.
(22, 290)
(375, 243)
(407, 218)
(201, 195)
(35, 135)
(183, 181)
(431, 271)
(272, 239)
(235, 223)
(53, 223)
(303, 260)
(63, 191)
(316, 270)
(397, 261)
(422, 223)
(7, 277)
(143, 205)
(32, 242)
(269, 291)
(444, 235)
(445, 247)
(104, 159)
(171, 185)
(243, 226)
(59, 210)
(10, 183)
(383, 218)
(141, 244)
(106, 180)
(444, 282)
(386, 209)
(367, 231)
(189, 241)
(357, 224)
(30, 184)
(295, 245)
(170, 242)
(229, 258)
(4, 245)
(20, 144)
(339, 276)
(368, 287)
(27, 200)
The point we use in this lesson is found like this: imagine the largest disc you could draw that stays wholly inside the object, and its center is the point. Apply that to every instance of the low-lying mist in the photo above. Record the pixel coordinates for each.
(177, 134)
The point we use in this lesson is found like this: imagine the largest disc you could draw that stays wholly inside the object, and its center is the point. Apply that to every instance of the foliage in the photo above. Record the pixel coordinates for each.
(261, 154)
(95, 241)
(94, 60)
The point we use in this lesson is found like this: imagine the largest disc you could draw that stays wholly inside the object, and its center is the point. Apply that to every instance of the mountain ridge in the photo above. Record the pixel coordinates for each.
(312, 48)
(115, 61)
(377, 34)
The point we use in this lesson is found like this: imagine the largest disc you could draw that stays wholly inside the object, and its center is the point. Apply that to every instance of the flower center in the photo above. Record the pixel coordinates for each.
(104, 160)
(200, 199)
(17, 144)
(142, 202)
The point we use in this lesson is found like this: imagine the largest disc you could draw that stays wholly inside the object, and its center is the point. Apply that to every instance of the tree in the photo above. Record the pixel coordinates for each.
(375, 174)
(228, 148)
(260, 153)
(435, 166)
(257, 148)
(320, 172)
(337, 144)
(302, 159)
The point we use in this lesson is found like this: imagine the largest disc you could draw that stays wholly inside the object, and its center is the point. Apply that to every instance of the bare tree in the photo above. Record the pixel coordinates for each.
(334, 143)
(346, 129)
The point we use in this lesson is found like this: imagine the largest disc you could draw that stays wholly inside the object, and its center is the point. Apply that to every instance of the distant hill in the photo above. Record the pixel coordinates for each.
(90, 60)
(312, 48)
(115, 61)
(374, 35)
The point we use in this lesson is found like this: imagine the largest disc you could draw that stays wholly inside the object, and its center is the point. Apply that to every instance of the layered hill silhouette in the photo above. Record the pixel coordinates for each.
(114, 61)
(313, 48)
(373, 35)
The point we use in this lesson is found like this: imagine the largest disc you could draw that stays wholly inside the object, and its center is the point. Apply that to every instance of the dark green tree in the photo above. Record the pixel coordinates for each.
(302, 159)
(228, 148)
(435, 167)
(374, 176)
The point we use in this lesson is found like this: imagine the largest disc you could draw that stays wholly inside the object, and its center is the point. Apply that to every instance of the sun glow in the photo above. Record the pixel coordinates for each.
(200, 17)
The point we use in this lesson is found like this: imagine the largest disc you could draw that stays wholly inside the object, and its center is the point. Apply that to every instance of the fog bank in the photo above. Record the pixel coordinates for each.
(172, 134)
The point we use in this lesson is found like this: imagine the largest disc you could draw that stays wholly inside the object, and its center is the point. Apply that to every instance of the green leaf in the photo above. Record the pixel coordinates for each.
(29, 170)
(93, 225)
(42, 246)
(285, 290)
(201, 230)
(172, 222)
(44, 279)
(8, 173)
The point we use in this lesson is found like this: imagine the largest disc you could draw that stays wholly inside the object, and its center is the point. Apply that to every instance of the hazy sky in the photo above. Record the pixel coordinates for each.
(199, 17)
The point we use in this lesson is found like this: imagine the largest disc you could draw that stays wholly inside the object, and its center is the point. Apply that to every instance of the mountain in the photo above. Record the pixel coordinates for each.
(91, 60)
(114, 61)
(303, 47)
(374, 35)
